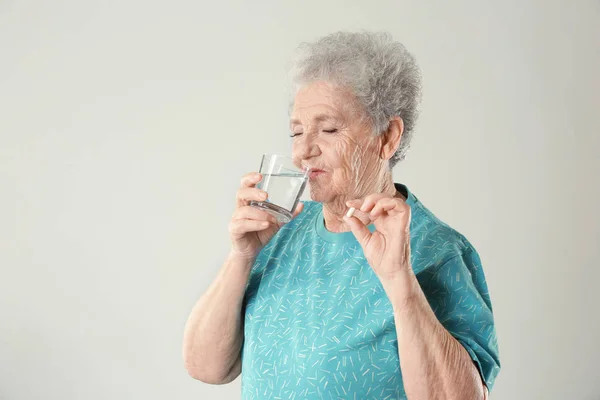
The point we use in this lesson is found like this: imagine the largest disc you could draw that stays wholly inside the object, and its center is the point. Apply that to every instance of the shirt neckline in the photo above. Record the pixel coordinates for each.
(342, 237)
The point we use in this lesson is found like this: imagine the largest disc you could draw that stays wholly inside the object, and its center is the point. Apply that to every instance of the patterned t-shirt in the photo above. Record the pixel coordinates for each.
(318, 324)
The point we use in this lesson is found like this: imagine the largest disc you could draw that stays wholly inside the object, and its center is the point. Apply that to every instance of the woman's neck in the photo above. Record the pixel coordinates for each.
(334, 211)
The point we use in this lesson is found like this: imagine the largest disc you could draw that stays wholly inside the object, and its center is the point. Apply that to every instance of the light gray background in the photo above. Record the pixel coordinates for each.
(126, 125)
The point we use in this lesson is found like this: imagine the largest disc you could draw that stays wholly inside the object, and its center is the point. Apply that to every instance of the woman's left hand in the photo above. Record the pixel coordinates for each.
(387, 249)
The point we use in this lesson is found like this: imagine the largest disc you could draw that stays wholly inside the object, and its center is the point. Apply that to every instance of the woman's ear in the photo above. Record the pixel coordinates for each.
(391, 138)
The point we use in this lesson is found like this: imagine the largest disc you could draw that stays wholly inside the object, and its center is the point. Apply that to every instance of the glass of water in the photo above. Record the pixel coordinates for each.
(284, 184)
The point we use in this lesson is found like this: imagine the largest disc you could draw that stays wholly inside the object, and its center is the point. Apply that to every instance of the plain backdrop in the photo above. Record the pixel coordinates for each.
(126, 125)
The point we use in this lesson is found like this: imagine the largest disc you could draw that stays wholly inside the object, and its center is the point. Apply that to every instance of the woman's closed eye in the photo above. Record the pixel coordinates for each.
(334, 130)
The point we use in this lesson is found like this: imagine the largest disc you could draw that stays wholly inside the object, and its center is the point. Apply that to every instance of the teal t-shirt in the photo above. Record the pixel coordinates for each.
(318, 324)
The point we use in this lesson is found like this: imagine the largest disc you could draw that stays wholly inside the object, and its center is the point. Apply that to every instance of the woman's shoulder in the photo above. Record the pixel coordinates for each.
(433, 241)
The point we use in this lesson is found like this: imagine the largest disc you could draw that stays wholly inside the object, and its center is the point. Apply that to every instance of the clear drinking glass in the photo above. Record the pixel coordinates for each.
(284, 184)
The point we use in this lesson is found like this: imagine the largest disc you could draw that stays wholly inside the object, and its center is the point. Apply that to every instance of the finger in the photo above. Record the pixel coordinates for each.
(360, 230)
(242, 226)
(363, 204)
(356, 203)
(298, 210)
(247, 194)
(370, 201)
(249, 212)
(386, 205)
(250, 179)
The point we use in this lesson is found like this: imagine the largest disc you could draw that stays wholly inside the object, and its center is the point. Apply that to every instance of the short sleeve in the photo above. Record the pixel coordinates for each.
(457, 292)
(254, 279)
(262, 265)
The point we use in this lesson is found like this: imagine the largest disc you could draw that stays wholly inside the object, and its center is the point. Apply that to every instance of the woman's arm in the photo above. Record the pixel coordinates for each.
(214, 331)
(434, 364)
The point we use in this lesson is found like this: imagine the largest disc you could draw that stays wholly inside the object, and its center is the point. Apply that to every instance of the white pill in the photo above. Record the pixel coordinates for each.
(350, 212)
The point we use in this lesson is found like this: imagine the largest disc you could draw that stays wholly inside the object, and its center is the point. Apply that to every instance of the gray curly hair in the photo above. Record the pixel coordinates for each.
(380, 72)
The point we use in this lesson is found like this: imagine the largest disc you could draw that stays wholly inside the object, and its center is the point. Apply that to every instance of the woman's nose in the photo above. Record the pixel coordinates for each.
(305, 148)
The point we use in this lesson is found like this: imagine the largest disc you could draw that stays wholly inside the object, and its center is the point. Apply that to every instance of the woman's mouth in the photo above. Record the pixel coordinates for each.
(315, 173)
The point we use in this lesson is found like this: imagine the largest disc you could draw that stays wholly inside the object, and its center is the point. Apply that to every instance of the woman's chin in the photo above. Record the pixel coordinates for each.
(319, 194)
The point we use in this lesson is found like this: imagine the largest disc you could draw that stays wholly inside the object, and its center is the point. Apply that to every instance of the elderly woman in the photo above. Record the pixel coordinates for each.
(384, 302)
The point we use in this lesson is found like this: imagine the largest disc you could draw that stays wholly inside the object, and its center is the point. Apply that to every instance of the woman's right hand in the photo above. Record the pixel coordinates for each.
(251, 228)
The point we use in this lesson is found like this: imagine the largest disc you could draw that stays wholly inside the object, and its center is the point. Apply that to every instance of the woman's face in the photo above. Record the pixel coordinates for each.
(328, 134)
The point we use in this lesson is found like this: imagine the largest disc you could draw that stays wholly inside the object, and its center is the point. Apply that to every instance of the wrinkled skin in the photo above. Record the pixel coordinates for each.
(330, 133)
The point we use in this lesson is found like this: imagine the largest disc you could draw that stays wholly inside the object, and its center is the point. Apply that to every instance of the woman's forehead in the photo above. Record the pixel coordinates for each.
(320, 102)
(314, 116)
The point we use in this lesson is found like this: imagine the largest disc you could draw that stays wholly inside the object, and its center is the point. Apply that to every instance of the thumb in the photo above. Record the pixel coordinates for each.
(359, 229)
